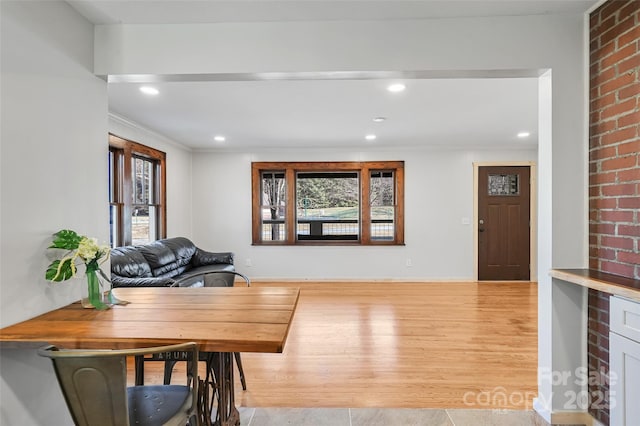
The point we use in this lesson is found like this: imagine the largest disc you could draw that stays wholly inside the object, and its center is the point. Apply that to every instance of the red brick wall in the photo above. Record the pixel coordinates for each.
(614, 167)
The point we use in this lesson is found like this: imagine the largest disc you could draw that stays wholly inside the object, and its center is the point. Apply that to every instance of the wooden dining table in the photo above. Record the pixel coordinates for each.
(222, 320)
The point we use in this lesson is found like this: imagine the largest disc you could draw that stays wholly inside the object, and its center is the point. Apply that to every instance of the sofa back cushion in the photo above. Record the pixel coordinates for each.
(129, 262)
(182, 248)
(168, 257)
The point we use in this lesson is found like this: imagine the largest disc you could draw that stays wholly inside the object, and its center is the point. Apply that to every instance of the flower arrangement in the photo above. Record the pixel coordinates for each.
(81, 249)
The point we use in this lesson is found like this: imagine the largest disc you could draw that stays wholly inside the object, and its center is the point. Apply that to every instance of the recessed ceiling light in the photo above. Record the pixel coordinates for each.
(148, 90)
(379, 119)
(396, 87)
(524, 134)
(370, 137)
(219, 138)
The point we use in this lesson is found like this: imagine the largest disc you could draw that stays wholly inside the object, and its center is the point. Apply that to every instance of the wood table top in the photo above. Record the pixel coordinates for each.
(219, 319)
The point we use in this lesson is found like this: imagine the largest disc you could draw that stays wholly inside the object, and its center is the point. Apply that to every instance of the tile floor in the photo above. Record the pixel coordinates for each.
(385, 417)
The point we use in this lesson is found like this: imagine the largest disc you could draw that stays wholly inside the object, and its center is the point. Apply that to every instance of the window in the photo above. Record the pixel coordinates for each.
(137, 199)
(328, 203)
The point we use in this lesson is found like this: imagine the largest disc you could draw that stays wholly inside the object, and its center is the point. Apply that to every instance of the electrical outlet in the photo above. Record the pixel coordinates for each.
(248, 263)
(408, 263)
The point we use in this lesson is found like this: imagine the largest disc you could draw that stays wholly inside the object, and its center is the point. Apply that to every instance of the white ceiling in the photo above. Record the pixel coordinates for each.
(319, 112)
(335, 113)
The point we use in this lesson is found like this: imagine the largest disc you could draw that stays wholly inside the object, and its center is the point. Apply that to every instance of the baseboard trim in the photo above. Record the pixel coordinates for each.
(595, 422)
(570, 418)
(372, 280)
(574, 418)
(564, 417)
(541, 410)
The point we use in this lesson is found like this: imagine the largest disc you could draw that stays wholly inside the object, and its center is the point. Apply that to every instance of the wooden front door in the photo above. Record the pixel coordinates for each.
(503, 223)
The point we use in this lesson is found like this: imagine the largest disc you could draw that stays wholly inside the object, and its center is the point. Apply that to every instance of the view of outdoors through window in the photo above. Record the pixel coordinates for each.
(274, 190)
(114, 223)
(327, 205)
(143, 213)
(382, 202)
(354, 203)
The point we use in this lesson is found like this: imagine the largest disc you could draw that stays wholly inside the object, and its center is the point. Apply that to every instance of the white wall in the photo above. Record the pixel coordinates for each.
(532, 42)
(53, 176)
(438, 194)
(178, 162)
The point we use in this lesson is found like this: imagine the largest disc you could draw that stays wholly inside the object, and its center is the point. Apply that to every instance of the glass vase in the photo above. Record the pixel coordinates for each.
(107, 292)
(95, 298)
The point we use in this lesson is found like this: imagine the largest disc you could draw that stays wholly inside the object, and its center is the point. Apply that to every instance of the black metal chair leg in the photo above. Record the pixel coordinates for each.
(240, 370)
(139, 369)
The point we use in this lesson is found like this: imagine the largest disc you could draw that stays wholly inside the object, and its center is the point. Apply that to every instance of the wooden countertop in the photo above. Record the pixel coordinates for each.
(601, 281)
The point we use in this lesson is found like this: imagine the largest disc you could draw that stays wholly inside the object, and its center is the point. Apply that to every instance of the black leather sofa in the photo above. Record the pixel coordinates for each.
(166, 263)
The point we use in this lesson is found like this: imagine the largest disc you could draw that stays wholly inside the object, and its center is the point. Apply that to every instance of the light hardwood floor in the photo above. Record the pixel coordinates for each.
(402, 345)
(444, 345)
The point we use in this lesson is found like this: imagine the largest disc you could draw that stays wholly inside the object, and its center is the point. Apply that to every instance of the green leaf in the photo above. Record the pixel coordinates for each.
(65, 270)
(66, 239)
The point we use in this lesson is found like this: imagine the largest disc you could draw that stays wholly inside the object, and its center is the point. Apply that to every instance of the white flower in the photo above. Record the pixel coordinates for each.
(88, 249)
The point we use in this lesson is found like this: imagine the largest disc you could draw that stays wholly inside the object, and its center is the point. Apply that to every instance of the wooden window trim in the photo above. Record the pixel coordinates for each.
(363, 168)
(124, 190)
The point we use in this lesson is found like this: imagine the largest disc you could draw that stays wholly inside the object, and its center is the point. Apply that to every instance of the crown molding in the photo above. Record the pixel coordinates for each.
(139, 127)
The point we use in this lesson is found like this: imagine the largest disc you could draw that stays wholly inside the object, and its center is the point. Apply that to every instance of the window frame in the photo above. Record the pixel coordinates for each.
(291, 169)
(121, 196)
